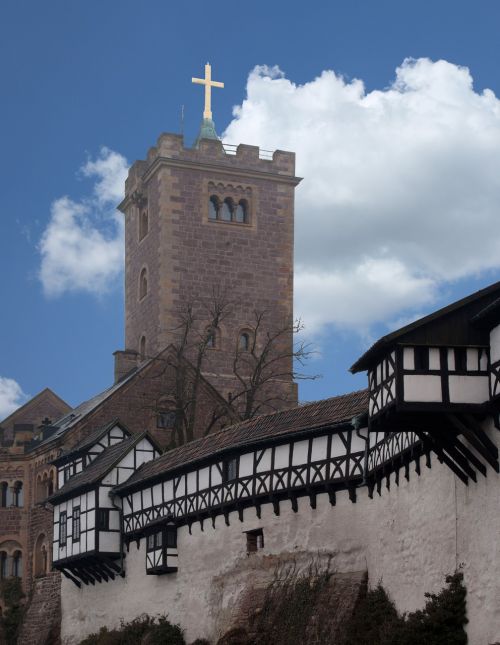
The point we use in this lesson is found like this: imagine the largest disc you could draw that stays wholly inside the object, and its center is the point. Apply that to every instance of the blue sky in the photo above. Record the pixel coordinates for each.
(80, 76)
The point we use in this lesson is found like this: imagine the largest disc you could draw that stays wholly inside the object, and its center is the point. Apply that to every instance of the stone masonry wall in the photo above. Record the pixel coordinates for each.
(41, 625)
(187, 255)
(409, 538)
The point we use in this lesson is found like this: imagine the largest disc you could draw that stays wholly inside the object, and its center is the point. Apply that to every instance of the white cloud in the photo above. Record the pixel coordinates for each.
(401, 189)
(82, 246)
(11, 396)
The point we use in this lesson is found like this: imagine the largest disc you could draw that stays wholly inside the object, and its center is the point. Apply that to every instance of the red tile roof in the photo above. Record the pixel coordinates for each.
(329, 412)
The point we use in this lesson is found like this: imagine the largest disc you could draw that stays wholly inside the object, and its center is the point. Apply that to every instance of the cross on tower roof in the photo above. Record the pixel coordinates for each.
(208, 83)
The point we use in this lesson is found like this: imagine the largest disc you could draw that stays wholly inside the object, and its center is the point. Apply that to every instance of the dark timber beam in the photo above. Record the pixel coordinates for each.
(70, 577)
(475, 442)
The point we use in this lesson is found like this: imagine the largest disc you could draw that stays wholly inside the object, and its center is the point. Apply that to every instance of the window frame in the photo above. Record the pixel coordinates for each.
(63, 522)
(102, 519)
(76, 524)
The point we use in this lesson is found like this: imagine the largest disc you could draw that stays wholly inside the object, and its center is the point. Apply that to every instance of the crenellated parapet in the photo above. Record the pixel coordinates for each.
(170, 151)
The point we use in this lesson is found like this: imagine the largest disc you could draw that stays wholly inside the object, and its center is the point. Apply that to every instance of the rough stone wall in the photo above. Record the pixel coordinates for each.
(45, 404)
(41, 625)
(409, 538)
(187, 255)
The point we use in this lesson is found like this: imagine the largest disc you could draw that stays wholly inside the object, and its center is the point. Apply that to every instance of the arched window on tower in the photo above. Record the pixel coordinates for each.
(41, 555)
(143, 224)
(4, 495)
(17, 496)
(4, 566)
(143, 284)
(241, 213)
(17, 564)
(211, 338)
(142, 348)
(213, 207)
(227, 210)
(244, 342)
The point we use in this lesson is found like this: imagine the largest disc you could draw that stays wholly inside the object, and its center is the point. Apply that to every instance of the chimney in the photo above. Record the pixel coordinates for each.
(125, 362)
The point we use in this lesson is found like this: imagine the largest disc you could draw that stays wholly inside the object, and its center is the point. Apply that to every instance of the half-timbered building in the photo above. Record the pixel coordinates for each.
(305, 481)
(87, 543)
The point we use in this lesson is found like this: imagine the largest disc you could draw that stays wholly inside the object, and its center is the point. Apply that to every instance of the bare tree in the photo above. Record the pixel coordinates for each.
(272, 356)
(264, 368)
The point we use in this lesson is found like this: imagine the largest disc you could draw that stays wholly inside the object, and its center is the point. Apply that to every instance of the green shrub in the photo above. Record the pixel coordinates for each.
(144, 629)
(12, 593)
(375, 620)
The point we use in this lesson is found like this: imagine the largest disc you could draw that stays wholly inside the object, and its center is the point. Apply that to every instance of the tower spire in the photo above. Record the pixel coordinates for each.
(207, 129)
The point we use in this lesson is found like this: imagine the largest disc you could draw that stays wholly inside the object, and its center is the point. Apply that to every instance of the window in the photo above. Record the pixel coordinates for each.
(165, 419)
(211, 338)
(244, 342)
(155, 541)
(4, 500)
(17, 495)
(17, 565)
(4, 567)
(240, 215)
(230, 469)
(63, 529)
(143, 225)
(76, 524)
(68, 472)
(460, 359)
(161, 551)
(143, 284)
(255, 540)
(213, 207)
(142, 347)
(227, 210)
(421, 358)
(103, 519)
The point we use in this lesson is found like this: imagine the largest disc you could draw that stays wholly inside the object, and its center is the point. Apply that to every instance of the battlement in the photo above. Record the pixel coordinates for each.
(170, 149)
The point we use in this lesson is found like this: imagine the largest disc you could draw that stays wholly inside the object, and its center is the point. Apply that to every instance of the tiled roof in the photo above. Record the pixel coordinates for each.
(334, 411)
(364, 362)
(66, 422)
(97, 469)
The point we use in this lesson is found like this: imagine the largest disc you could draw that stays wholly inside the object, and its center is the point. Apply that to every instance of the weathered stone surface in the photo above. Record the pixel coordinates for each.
(41, 625)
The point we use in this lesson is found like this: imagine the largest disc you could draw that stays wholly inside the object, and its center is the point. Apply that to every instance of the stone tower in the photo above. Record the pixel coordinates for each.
(202, 222)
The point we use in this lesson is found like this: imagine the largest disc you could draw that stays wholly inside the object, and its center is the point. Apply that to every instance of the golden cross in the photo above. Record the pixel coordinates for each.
(208, 83)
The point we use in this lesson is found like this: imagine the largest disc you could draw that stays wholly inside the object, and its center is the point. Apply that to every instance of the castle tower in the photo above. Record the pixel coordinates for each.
(204, 223)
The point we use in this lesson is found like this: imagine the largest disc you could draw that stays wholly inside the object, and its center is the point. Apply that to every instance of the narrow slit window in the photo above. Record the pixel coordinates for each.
(63, 529)
(421, 358)
(255, 540)
(76, 524)
(244, 342)
(143, 225)
(460, 359)
(230, 469)
(143, 284)
(103, 519)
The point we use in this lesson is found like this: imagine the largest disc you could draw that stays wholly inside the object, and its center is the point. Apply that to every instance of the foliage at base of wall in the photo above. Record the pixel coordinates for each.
(12, 594)
(143, 630)
(375, 620)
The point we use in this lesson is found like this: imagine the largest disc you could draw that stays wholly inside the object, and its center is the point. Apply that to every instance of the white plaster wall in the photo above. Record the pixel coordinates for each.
(495, 344)
(422, 387)
(468, 389)
(409, 538)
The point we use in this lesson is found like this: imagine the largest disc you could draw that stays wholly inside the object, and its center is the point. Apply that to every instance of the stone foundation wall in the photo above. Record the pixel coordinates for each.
(409, 538)
(41, 625)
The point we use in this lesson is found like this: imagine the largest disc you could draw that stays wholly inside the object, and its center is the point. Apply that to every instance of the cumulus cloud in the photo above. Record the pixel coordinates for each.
(82, 247)
(401, 188)
(11, 396)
